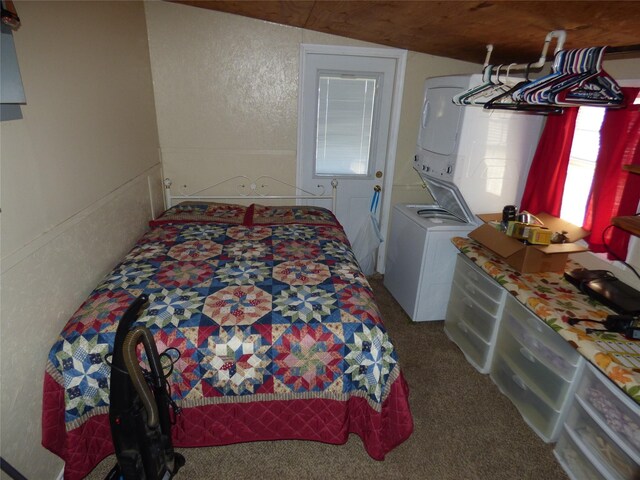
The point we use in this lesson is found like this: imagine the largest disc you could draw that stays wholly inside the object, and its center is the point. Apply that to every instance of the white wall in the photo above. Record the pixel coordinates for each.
(226, 91)
(622, 68)
(74, 191)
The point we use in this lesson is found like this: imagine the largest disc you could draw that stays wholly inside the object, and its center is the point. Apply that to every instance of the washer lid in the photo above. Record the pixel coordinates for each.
(449, 198)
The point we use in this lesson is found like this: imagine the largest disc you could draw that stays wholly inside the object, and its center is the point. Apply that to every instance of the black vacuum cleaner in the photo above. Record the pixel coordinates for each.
(140, 412)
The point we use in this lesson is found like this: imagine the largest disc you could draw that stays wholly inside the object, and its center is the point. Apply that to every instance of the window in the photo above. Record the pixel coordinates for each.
(612, 192)
(344, 124)
(582, 164)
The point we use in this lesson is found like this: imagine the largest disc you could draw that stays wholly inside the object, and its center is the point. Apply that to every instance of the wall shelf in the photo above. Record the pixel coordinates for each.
(630, 223)
(632, 168)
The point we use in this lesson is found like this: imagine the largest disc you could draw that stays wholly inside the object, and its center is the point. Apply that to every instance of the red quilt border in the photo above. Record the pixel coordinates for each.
(327, 421)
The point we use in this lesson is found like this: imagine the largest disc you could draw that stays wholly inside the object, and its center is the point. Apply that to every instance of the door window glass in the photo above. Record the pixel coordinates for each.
(344, 124)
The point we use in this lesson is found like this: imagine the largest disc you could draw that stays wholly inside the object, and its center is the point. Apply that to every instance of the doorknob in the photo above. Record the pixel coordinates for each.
(379, 174)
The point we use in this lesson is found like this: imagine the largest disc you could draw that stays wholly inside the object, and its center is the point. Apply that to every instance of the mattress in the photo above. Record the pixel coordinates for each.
(278, 331)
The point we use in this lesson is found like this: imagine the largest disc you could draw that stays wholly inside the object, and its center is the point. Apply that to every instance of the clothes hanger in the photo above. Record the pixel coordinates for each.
(498, 87)
(465, 97)
(597, 88)
(576, 79)
(460, 99)
(486, 79)
(582, 67)
(526, 92)
(601, 90)
(579, 66)
(569, 68)
(506, 101)
(560, 35)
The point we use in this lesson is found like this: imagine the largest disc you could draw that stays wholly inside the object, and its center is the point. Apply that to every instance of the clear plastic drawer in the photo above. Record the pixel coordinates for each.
(546, 383)
(478, 284)
(614, 411)
(486, 292)
(547, 346)
(577, 466)
(474, 348)
(474, 315)
(602, 449)
(540, 416)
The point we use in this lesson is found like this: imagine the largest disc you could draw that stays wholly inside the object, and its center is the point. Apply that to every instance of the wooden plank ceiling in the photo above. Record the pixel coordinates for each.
(455, 29)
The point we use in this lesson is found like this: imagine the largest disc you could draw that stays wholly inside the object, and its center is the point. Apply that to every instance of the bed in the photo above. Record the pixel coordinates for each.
(279, 334)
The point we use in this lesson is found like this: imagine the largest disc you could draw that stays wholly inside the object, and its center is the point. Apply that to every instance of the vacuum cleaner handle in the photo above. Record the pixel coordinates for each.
(128, 319)
(131, 341)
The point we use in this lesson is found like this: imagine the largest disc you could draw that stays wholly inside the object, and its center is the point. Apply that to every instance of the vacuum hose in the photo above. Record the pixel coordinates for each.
(131, 341)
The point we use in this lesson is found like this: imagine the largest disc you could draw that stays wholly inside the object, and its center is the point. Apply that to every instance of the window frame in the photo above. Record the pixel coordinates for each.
(374, 122)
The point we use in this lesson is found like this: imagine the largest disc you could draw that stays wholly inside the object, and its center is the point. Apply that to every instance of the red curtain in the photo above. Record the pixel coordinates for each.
(545, 183)
(614, 191)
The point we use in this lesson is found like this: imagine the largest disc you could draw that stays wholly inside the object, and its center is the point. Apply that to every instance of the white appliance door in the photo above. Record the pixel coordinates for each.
(440, 124)
(404, 260)
(438, 265)
(420, 263)
(440, 120)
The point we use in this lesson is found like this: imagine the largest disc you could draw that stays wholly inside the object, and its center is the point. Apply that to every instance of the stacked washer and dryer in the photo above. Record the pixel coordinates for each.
(472, 161)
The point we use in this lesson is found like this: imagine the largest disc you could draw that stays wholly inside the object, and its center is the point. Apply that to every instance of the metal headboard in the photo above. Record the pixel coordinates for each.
(248, 189)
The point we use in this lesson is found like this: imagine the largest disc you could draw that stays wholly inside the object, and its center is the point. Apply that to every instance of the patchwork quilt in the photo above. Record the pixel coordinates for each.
(277, 327)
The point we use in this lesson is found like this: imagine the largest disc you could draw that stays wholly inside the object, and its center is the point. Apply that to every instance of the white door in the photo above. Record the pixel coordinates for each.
(349, 108)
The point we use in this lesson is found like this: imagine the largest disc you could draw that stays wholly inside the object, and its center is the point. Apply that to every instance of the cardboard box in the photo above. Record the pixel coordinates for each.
(530, 258)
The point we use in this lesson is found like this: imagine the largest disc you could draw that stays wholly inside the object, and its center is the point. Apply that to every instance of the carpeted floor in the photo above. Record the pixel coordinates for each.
(464, 427)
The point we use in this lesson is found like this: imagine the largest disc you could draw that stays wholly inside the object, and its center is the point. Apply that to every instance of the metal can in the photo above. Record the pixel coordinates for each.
(524, 217)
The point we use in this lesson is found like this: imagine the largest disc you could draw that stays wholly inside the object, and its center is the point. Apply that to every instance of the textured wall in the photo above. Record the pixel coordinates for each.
(86, 126)
(226, 91)
(74, 193)
(226, 94)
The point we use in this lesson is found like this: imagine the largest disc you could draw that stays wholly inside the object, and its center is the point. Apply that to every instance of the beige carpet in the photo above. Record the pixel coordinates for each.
(464, 427)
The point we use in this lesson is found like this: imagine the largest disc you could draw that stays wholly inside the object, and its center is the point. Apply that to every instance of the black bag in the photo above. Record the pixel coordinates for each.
(605, 287)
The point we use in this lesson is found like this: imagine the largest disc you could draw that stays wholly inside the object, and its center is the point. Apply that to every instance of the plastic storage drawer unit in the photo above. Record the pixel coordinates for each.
(474, 348)
(485, 290)
(480, 320)
(573, 461)
(535, 371)
(598, 447)
(473, 313)
(541, 417)
(470, 271)
(535, 367)
(547, 346)
(610, 414)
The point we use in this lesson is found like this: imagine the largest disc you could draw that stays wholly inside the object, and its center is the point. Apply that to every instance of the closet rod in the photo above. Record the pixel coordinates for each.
(561, 35)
